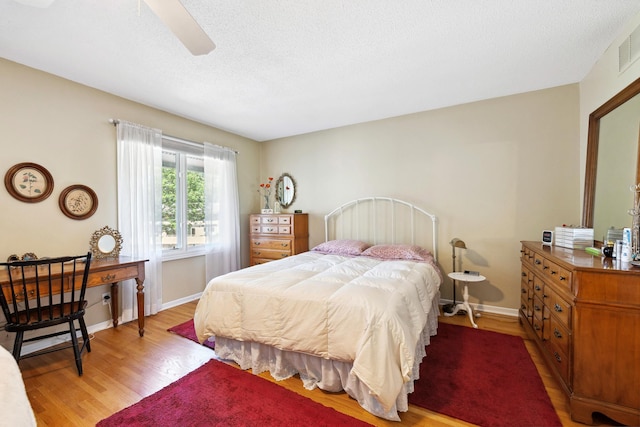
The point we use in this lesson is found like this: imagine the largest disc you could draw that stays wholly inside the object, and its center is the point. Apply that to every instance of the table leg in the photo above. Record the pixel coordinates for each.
(114, 304)
(466, 305)
(140, 296)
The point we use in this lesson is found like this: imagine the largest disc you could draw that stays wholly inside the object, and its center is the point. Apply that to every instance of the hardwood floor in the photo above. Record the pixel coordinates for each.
(123, 368)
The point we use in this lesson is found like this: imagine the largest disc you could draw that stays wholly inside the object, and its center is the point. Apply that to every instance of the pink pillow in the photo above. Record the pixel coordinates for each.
(407, 252)
(342, 247)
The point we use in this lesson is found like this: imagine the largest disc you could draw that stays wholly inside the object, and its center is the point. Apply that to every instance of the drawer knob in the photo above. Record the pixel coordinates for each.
(108, 277)
(557, 333)
(536, 327)
(524, 291)
(524, 274)
(557, 308)
(553, 272)
(537, 308)
(538, 262)
(256, 243)
(557, 356)
(538, 288)
(563, 278)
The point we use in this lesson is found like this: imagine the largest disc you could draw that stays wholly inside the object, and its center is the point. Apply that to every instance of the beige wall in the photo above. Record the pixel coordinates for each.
(494, 172)
(64, 127)
(603, 82)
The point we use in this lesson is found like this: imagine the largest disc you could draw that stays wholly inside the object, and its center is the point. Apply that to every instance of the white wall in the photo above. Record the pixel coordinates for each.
(495, 172)
(64, 127)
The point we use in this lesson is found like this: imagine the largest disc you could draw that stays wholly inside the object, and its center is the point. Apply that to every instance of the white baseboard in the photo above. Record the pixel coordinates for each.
(513, 312)
(92, 329)
(180, 301)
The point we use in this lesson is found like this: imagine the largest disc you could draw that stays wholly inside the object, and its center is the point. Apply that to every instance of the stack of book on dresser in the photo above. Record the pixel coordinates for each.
(573, 237)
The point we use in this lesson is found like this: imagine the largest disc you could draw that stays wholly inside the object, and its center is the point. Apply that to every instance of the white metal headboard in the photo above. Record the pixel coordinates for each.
(379, 220)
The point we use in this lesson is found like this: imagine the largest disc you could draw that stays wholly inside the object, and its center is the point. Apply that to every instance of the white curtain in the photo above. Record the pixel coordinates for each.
(222, 213)
(139, 211)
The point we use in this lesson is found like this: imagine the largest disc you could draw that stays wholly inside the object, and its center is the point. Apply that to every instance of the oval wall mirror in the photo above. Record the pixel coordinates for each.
(106, 243)
(285, 190)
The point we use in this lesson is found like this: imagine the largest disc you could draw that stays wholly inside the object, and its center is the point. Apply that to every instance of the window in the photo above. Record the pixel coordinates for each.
(183, 204)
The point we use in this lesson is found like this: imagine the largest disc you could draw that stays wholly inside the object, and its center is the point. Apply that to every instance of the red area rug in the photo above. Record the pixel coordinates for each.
(217, 394)
(484, 378)
(478, 376)
(187, 330)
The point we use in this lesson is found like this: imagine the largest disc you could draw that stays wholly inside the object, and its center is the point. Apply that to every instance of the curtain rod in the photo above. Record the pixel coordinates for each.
(181, 140)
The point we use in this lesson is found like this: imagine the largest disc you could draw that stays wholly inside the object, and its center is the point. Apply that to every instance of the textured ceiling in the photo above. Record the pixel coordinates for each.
(287, 67)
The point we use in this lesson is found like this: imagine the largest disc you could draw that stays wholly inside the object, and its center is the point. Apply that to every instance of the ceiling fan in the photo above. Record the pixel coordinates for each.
(174, 15)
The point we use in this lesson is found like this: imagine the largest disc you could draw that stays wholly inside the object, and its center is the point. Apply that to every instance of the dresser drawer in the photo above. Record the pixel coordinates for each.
(276, 220)
(559, 308)
(558, 334)
(526, 307)
(559, 359)
(538, 287)
(559, 275)
(527, 255)
(269, 253)
(282, 244)
(538, 324)
(274, 229)
(101, 278)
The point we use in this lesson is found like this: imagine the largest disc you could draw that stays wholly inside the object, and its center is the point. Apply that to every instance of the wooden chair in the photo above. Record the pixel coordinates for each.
(45, 293)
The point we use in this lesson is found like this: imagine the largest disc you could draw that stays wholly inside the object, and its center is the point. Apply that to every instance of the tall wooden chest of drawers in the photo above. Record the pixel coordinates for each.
(583, 312)
(276, 236)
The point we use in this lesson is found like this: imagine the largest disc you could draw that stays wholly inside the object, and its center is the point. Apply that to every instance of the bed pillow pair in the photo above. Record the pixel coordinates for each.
(356, 247)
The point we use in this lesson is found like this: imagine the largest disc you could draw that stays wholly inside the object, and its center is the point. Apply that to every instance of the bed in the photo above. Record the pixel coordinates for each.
(355, 313)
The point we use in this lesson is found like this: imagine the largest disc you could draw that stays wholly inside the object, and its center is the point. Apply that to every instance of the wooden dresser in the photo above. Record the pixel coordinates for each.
(276, 236)
(583, 312)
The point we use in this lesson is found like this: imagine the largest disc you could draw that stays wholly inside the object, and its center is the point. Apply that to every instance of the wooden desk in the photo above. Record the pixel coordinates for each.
(107, 271)
(115, 270)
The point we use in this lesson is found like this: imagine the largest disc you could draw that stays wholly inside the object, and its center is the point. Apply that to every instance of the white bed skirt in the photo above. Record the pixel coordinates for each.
(328, 375)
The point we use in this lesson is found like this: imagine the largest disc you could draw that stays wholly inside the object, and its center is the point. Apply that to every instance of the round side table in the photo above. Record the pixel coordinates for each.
(466, 278)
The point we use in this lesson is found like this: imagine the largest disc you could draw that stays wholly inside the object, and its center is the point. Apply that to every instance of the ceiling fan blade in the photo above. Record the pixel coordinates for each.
(179, 20)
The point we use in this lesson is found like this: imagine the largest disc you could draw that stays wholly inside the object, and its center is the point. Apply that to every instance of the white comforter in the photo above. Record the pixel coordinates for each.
(353, 309)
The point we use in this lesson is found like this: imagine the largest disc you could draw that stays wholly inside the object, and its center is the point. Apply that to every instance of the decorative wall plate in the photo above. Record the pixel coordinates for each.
(28, 182)
(78, 202)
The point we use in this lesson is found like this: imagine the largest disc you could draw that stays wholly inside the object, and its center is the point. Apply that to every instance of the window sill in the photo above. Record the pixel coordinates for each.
(172, 256)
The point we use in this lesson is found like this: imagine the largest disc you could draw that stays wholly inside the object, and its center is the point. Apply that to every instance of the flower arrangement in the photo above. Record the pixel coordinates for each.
(265, 191)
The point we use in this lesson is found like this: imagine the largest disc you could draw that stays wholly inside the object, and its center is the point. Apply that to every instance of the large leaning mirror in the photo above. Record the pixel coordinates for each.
(285, 190)
(106, 243)
(612, 161)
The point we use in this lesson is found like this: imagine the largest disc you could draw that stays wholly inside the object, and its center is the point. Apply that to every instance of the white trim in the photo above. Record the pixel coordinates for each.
(50, 342)
(510, 312)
